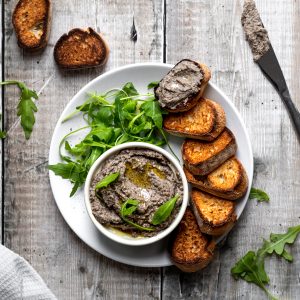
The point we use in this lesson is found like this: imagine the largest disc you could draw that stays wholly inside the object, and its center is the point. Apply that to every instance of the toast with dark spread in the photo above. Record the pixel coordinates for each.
(215, 216)
(31, 21)
(81, 49)
(201, 157)
(191, 250)
(228, 181)
(205, 121)
(181, 88)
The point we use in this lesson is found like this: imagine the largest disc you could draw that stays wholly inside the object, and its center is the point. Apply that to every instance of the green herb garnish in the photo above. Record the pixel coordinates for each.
(164, 211)
(127, 209)
(152, 85)
(2, 133)
(115, 117)
(26, 107)
(107, 180)
(258, 194)
(251, 267)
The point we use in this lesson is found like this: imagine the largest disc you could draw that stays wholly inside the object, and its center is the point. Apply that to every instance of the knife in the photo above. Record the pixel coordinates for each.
(269, 65)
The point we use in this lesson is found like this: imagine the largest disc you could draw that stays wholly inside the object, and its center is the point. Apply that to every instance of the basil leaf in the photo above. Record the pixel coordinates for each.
(258, 194)
(152, 85)
(107, 180)
(164, 211)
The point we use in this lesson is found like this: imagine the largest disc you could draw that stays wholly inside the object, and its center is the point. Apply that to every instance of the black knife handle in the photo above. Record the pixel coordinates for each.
(293, 111)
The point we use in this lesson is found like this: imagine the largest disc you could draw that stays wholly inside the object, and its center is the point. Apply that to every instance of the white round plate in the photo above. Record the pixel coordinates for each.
(74, 210)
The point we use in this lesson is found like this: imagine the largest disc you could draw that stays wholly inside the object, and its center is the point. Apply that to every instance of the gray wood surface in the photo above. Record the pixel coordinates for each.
(209, 31)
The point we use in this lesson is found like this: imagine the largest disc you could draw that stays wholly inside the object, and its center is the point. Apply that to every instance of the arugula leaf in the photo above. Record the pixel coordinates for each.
(127, 209)
(152, 85)
(26, 107)
(251, 266)
(258, 194)
(252, 270)
(73, 171)
(278, 241)
(2, 133)
(164, 211)
(152, 110)
(107, 180)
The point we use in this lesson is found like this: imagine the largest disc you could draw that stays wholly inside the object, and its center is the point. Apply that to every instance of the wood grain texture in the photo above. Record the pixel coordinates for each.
(33, 225)
(2, 93)
(210, 31)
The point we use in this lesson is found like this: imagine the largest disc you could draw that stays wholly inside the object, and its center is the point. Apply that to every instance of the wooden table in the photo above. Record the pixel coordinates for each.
(167, 31)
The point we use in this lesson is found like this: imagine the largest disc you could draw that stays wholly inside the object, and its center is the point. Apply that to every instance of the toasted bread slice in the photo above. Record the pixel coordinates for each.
(201, 157)
(215, 216)
(205, 121)
(31, 20)
(229, 181)
(191, 250)
(81, 49)
(182, 86)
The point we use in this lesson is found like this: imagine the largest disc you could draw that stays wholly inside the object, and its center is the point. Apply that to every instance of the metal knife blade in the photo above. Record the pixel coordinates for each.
(269, 65)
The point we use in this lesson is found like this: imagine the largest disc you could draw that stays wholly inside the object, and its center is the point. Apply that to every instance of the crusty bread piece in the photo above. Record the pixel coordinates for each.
(81, 49)
(229, 181)
(215, 216)
(191, 250)
(192, 100)
(205, 121)
(31, 20)
(201, 157)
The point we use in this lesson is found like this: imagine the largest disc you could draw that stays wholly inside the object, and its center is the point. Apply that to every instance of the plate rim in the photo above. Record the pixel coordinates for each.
(111, 72)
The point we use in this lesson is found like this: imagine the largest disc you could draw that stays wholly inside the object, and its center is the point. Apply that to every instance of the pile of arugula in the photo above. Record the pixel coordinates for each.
(113, 118)
(251, 267)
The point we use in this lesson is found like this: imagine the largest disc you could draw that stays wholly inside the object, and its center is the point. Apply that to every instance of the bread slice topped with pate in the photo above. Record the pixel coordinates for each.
(81, 48)
(191, 250)
(31, 21)
(183, 86)
(201, 157)
(205, 121)
(228, 181)
(215, 216)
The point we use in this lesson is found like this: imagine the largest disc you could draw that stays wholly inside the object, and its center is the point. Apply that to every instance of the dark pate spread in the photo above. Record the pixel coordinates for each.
(146, 176)
(180, 85)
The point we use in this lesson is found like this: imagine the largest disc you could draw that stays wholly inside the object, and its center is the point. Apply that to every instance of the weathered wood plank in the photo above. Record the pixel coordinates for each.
(210, 31)
(1, 78)
(33, 226)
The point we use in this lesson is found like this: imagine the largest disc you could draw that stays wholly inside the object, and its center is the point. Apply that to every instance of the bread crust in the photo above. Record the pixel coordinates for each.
(213, 223)
(189, 237)
(197, 165)
(99, 60)
(203, 185)
(217, 125)
(193, 100)
(46, 25)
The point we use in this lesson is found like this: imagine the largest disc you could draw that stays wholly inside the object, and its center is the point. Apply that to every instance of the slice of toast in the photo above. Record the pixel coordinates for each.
(31, 20)
(215, 216)
(191, 250)
(201, 157)
(229, 181)
(205, 121)
(81, 49)
(182, 86)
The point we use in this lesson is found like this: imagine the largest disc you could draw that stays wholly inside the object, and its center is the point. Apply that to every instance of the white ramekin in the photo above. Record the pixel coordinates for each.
(126, 239)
